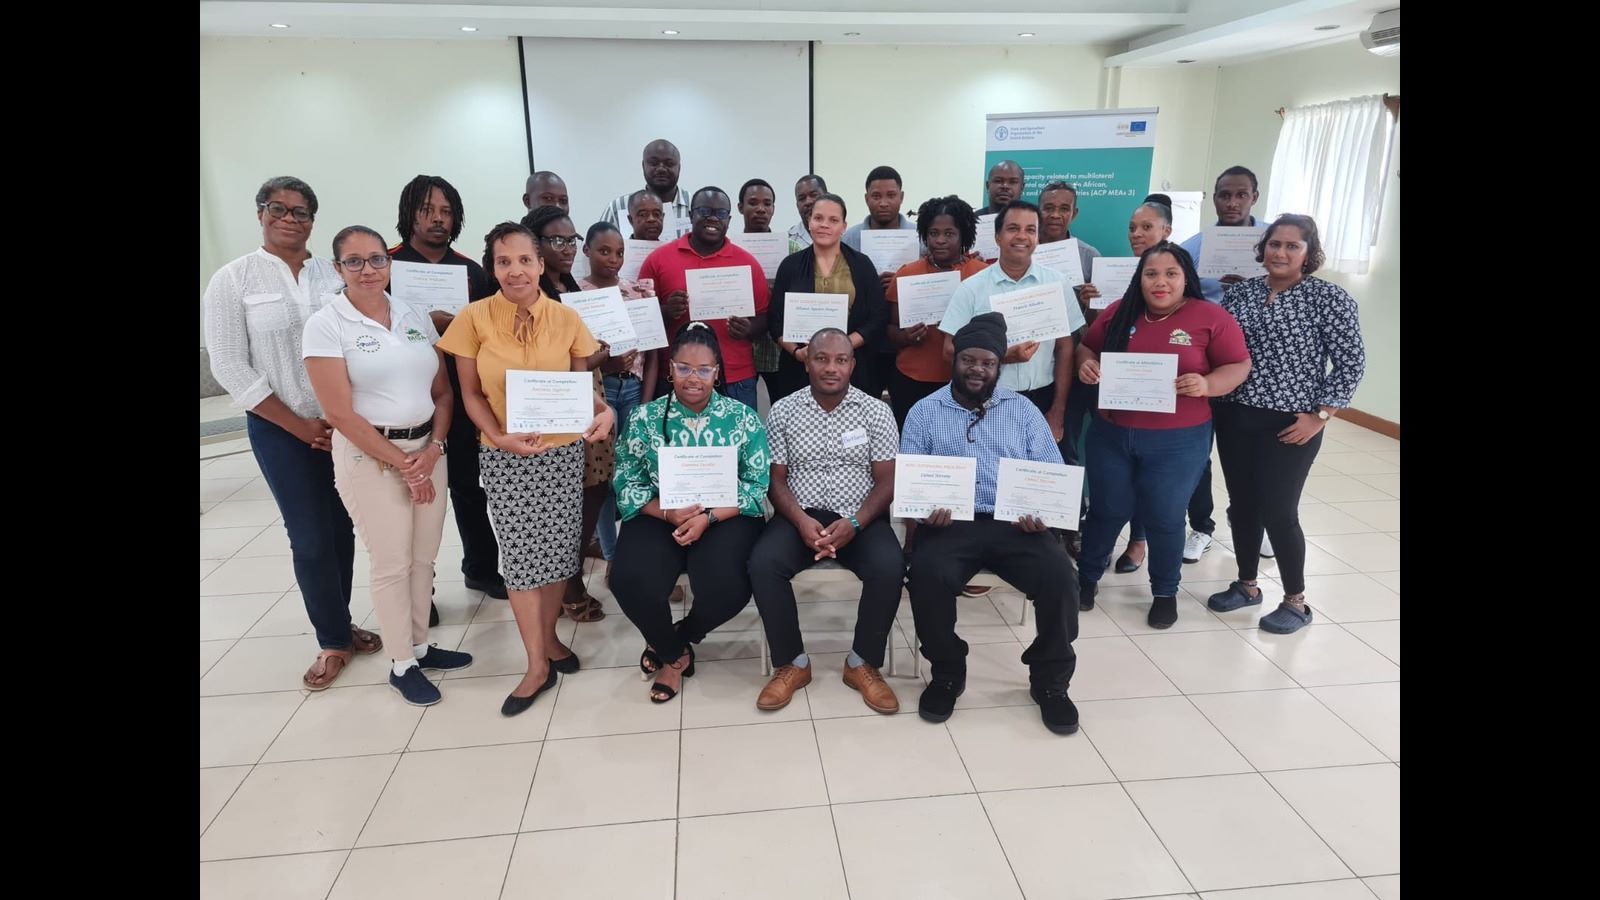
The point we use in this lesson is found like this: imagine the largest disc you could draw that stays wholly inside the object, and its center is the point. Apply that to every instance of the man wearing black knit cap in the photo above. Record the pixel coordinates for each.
(972, 417)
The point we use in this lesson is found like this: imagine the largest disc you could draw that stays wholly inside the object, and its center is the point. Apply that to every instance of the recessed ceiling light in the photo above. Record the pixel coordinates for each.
(1024, 34)
(1326, 28)
(669, 31)
(469, 28)
(276, 25)
(852, 34)
(1184, 62)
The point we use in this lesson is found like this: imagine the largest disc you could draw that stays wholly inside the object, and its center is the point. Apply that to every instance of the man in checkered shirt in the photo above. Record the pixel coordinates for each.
(833, 450)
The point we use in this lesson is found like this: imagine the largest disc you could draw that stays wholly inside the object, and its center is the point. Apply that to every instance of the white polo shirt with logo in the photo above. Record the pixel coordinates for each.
(391, 369)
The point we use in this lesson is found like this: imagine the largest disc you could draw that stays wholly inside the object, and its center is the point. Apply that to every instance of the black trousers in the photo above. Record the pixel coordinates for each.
(648, 561)
(480, 554)
(873, 555)
(945, 559)
(905, 391)
(1265, 477)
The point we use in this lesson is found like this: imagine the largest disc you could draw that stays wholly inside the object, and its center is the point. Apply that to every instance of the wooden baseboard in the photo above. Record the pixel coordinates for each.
(1371, 422)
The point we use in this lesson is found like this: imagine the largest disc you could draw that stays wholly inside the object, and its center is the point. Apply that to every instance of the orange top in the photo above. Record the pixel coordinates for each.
(925, 361)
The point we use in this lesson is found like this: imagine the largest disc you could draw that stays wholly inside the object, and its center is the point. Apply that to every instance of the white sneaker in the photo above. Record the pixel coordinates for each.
(1266, 547)
(1198, 543)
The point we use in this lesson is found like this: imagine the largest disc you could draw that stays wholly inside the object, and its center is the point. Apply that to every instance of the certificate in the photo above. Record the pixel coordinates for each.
(986, 247)
(708, 476)
(634, 253)
(649, 329)
(923, 484)
(1036, 313)
(1112, 275)
(548, 402)
(890, 248)
(1062, 256)
(1049, 492)
(607, 318)
(924, 298)
(806, 314)
(720, 293)
(1229, 250)
(428, 286)
(1142, 382)
(769, 250)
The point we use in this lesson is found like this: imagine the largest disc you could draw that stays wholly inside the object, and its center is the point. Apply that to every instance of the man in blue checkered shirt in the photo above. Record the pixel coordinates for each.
(972, 417)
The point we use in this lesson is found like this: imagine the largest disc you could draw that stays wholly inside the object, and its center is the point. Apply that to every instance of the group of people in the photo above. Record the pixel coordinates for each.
(353, 397)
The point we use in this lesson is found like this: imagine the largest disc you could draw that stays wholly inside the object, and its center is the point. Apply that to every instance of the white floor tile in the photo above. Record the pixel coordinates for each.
(735, 857)
(272, 540)
(216, 787)
(1325, 654)
(236, 730)
(1081, 843)
(604, 781)
(298, 807)
(1345, 889)
(222, 543)
(1381, 515)
(1344, 488)
(239, 513)
(1325, 518)
(1383, 637)
(633, 861)
(288, 615)
(1157, 737)
(1008, 747)
(1387, 887)
(1371, 709)
(1374, 552)
(612, 701)
(1351, 598)
(748, 768)
(469, 715)
(1219, 829)
(1211, 662)
(217, 490)
(444, 794)
(829, 697)
(888, 757)
(1285, 730)
(1129, 607)
(250, 576)
(462, 870)
(724, 693)
(354, 721)
(934, 847)
(1388, 484)
(303, 877)
(1358, 463)
(229, 616)
(1116, 669)
(210, 652)
(1356, 809)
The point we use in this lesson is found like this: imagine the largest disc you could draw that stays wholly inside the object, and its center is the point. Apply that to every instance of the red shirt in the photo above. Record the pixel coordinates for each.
(1203, 335)
(667, 266)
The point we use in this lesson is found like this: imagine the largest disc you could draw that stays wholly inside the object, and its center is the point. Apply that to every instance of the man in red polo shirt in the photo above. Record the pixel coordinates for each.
(706, 246)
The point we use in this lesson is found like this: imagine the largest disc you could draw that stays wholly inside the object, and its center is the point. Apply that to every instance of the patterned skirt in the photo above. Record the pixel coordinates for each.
(536, 509)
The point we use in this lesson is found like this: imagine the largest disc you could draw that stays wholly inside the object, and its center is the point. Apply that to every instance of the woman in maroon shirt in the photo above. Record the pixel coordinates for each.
(1146, 463)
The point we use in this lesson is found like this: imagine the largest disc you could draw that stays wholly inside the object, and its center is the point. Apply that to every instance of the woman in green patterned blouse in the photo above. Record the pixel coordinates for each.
(712, 544)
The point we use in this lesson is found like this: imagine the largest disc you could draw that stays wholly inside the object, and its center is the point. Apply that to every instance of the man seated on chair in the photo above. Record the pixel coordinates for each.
(973, 417)
(833, 451)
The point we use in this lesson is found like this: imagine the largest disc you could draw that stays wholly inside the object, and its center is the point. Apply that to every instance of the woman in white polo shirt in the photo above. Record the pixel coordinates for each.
(383, 388)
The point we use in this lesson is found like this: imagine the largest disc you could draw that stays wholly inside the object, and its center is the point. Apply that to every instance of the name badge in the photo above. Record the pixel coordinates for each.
(854, 438)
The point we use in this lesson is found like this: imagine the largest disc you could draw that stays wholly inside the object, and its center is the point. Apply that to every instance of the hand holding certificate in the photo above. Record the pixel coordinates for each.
(428, 286)
(889, 248)
(1063, 256)
(1139, 382)
(1229, 250)
(924, 298)
(602, 310)
(806, 314)
(1112, 275)
(720, 293)
(548, 402)
(698, 476)
(1050, 492)
(1036, 313)
(769, 249)
(923, 484)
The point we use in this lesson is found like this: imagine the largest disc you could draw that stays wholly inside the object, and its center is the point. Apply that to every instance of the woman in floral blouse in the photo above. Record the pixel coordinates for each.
(657, 545)
(1305, 345)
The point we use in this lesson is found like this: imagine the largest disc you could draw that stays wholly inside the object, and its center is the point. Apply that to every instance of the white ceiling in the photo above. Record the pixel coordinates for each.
(1138, 32)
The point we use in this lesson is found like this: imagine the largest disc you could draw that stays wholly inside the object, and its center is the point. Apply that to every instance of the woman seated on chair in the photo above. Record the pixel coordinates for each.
(657, 545)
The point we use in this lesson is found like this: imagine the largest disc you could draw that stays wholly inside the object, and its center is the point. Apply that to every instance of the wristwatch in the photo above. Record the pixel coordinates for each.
(711, 517)
(1323, 415)
(443, 447)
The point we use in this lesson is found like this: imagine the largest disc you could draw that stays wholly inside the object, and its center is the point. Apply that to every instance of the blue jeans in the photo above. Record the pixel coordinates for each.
(623, 396)
(743, 391)
(1148, 472)
(321, 536)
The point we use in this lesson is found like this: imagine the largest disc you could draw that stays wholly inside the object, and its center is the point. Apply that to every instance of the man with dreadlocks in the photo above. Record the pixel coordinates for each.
(973, 417)
(430, 219)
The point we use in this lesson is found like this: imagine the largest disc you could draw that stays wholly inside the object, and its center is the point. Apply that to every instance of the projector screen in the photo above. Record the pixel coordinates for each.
(736, 110)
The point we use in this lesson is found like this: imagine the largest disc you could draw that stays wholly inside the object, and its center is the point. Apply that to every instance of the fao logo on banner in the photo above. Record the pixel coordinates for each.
(1001, 133)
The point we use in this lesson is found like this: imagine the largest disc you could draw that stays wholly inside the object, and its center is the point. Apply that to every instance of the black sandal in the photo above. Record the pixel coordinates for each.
(672, 692)
(650, 662)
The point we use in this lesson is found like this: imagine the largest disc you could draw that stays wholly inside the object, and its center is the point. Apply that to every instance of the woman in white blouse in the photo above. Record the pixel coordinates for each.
(383, 386)
(255, 309)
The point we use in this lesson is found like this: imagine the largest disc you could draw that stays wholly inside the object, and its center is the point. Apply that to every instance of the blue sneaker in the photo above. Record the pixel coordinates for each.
(1237, 596)
(440, 660)
(414, 687)
(1285, 619)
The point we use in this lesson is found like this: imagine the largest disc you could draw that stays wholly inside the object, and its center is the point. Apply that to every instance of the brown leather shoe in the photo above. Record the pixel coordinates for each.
(875, 692)
(780, 690)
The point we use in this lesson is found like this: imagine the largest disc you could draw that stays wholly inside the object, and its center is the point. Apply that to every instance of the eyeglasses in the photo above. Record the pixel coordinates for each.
(561, 243)
(277, 211)
(706, 212)
(704, 373)
(356, 263)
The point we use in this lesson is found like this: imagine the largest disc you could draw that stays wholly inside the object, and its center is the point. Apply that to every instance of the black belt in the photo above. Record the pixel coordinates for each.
(626, 374)
(406, 434)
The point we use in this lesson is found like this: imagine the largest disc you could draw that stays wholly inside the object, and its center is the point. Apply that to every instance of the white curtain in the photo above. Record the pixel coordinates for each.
(1331, 164)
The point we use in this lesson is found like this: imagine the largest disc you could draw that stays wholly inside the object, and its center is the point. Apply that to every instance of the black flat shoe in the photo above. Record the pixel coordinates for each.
(1126, 565)
(567, 665)
(433, 616)
(515, 705)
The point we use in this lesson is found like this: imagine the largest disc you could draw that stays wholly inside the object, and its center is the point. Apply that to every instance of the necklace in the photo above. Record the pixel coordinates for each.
(1165, 317)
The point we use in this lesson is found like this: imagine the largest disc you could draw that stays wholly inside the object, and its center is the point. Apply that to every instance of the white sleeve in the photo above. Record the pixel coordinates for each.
(322, 338)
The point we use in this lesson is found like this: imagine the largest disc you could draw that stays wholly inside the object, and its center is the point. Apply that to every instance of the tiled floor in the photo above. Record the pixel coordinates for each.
(1214, 760)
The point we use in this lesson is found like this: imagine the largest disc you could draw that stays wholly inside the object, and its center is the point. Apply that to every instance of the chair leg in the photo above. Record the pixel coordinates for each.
(1025, 602)
(766, 652)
